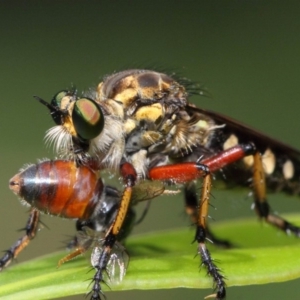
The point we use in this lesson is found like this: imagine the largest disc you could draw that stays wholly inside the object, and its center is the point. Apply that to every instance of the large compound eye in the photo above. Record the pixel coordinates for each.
(87, 118)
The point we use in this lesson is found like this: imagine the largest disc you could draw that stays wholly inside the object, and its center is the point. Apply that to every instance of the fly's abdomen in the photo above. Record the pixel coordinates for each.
(59, 188)
(282, 172)
(281, 163)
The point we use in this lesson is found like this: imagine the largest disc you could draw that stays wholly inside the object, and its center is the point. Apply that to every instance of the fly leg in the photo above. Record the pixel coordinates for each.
(199, 214)
(30, 232)
(129, 175)
(201, 237)
(191, 208)
(187, 172)
(261, 205)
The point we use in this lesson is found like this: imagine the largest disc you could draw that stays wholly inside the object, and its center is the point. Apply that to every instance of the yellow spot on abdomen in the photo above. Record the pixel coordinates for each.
(269, 161)
(230, 142)
(288, 170)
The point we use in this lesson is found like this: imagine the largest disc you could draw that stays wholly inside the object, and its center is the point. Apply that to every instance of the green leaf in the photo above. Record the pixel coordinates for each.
(167, 260)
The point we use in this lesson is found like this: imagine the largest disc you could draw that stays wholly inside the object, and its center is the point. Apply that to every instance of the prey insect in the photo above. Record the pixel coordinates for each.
(62, 188)
(140, 124)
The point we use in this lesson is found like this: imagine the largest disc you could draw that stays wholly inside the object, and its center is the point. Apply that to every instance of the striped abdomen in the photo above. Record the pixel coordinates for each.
(59, 188)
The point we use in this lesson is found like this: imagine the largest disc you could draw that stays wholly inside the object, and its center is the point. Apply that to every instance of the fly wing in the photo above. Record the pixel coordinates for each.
(247, 134)
(281, 162)
(146, 190)
(117, 263)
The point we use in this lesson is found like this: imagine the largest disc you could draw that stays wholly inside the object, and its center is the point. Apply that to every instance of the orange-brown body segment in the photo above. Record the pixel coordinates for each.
(59, 188)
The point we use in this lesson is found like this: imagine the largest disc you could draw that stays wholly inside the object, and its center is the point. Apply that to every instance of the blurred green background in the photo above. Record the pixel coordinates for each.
(245, 52)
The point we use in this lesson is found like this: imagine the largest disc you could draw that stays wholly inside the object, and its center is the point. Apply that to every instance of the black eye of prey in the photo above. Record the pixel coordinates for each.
(87, 118)
(57, 112)
(56, 100)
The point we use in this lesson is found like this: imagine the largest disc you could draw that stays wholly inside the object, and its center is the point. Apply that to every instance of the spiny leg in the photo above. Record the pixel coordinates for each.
(200, 237)
(262, 207)
(30, 232)
(129, 175)
(191, 208)
(186, 172)
(78, 251)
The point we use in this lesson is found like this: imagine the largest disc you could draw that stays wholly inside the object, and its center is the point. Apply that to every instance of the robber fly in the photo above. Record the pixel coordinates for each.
(140, 123)
(62, 188)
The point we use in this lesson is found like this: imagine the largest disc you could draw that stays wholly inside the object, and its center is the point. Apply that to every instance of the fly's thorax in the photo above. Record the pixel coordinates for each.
(135, 88)
(129, 125)
(176, 138)
(183, 133)
(175, 133)
(150, 113)
(112, 108)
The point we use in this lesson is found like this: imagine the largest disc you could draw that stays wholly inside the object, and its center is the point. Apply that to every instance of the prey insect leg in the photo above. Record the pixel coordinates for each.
(30, 232)
(80, 243)
(129, 175)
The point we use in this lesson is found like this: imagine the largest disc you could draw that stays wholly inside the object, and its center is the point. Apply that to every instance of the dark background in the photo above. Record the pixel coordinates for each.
(245, 53)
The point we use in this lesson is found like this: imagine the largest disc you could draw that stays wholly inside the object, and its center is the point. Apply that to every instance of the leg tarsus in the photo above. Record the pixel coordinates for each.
(283, 225)
(96, 292)
(263, 210)
(200, 237)
(100, 258)
(6, 259)
(213, 271)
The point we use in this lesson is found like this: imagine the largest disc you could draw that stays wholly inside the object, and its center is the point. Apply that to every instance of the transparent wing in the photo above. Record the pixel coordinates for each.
(149, 189)
(117, 263)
